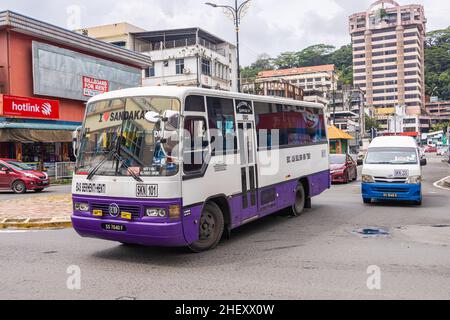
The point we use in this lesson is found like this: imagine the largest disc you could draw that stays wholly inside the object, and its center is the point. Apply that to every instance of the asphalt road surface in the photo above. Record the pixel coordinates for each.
(59, 189)
(315, 256)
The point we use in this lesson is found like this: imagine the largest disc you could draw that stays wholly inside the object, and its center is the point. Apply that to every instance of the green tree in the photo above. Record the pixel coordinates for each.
(371, 123)
(437, 64)
(262, 63)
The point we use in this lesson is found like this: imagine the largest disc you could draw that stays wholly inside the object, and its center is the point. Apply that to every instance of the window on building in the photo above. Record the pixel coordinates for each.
(150, 72)
(206, 67)
(179, 66)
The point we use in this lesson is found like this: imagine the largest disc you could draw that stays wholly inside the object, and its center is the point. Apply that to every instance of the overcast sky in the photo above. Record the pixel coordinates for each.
(270, 26)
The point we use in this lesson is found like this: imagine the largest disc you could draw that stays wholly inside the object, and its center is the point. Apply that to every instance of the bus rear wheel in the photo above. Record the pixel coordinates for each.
(211, 227)
(300, 200)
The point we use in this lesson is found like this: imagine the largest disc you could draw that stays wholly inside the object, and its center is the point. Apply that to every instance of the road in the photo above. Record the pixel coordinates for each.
(59, 189)
(315, 256)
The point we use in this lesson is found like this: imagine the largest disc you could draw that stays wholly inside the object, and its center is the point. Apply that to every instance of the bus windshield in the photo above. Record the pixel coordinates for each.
(392, 156)
(117, 140)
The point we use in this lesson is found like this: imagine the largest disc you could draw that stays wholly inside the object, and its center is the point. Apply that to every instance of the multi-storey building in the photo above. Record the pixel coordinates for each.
(388, 55)
(315, 81)
(119, 34)
(181, 57)
(439, 109)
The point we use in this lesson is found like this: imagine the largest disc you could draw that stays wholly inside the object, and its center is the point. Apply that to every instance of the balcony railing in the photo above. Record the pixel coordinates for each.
(179, 43)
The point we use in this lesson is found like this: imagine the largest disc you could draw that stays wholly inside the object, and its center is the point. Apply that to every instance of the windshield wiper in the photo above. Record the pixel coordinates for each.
(99, 165)
(122, 163)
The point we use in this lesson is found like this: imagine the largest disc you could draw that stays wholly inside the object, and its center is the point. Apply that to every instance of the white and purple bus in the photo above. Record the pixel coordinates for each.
(172, 166)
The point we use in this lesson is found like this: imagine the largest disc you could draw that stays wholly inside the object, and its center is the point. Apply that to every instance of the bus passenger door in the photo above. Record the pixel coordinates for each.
(247, 147)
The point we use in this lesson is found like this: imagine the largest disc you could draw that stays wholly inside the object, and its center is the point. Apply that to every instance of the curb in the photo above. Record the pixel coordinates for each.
(36, 223)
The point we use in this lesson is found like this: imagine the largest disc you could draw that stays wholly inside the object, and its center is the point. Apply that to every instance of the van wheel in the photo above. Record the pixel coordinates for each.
(211, 227)
(300, 200)
(19, 187)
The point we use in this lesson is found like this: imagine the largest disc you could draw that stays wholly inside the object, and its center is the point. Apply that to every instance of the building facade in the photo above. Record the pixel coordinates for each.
(388, 55)
(315, 81)
(181, 57)
(439, 109)
(274, 89)
(47, 74)
(118, 34)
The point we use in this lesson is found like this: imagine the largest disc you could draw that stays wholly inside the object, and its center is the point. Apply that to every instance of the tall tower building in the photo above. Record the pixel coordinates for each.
(388, 56)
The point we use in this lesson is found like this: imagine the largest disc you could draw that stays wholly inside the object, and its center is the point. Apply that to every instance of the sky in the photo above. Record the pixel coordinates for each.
(270, 26)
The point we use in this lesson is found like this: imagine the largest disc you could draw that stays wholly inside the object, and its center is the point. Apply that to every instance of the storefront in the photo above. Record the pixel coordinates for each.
(47, 74)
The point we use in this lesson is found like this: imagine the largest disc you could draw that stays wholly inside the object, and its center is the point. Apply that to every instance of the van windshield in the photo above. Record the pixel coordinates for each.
(392, 156)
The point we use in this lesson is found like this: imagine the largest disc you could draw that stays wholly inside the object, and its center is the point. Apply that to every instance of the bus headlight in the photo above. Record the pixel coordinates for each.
(83, 207)
(367, 179)
(414, 180)
(155, 213)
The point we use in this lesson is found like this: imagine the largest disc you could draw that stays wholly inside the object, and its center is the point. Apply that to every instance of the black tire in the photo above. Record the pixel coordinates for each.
(211, 228)
(367, 201)
(300, 200)
(38, 190)
(19, 187)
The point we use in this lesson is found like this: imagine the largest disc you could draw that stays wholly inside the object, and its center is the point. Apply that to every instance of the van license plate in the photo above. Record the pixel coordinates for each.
(390, 195)
(114, 227)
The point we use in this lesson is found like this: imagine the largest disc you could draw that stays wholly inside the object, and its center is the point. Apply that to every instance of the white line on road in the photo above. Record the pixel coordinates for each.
(436, 184)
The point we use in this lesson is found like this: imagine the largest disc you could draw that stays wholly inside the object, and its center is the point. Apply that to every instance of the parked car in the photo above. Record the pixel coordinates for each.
(343, 168)
(431, 149)
(19, 177)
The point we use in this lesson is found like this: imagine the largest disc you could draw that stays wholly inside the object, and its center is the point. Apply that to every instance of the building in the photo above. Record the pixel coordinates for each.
(119, 34)
(439, 109)
(47, 74)
(274, 89)
(181, 57)
(315, 81)
(388, 55)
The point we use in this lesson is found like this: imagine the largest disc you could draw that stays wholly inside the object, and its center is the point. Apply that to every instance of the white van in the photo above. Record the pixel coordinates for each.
(393, 170)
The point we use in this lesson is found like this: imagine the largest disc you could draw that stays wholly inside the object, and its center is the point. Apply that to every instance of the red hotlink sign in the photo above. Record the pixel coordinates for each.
(93, 87)
(25, 107)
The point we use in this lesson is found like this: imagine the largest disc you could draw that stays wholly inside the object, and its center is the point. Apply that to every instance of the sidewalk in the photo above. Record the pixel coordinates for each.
(37, 212)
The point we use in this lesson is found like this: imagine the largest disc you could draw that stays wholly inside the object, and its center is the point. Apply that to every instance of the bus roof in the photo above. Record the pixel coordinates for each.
(182, 92)
(393, 141)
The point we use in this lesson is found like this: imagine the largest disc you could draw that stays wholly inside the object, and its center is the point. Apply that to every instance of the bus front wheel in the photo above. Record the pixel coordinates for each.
(300, 200)
(211, 227)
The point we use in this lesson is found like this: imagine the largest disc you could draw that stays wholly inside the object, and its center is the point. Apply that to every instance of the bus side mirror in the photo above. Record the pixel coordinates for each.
(76, 141)
(423, 162)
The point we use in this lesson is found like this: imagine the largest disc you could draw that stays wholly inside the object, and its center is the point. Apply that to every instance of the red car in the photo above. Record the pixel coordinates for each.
(343, 168)
(19, 177)
(431, 149)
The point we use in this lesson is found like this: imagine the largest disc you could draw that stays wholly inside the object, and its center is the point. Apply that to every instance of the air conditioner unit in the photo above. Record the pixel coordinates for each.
(186, 71)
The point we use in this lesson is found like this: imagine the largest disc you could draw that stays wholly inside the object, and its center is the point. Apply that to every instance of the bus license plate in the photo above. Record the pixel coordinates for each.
(390, 195)
(114, 227)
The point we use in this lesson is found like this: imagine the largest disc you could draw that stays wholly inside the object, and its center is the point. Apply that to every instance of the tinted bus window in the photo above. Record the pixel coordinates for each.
(222, 125)
(293, 125)
(195, 104)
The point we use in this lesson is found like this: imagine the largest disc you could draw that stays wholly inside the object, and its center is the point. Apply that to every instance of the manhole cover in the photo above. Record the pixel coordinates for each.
(372, 232)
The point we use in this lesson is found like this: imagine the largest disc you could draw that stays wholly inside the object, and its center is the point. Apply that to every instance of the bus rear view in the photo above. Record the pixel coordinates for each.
(392, 171)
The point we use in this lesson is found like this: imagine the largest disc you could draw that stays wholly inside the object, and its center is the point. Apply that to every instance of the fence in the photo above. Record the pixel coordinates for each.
(64, 170)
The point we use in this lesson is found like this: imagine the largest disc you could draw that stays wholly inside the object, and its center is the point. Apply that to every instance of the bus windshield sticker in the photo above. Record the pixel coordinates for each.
(147, 191)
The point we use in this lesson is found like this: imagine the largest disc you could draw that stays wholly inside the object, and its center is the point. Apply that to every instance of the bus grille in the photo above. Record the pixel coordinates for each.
(134, 210)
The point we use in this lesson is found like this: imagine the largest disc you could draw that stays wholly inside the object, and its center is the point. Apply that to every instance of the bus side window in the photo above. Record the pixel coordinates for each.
(195, 144)
(195, 104)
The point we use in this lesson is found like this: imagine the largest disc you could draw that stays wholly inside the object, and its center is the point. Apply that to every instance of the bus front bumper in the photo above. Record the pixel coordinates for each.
(141, 233)
(395, 192)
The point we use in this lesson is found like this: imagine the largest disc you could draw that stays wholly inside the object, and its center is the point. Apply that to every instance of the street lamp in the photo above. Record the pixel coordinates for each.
(235, 13)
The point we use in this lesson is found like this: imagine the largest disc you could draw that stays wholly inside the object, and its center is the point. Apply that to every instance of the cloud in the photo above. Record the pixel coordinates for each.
(271, 26)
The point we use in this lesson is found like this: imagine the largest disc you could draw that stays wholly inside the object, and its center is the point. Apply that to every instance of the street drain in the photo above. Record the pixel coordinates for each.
(372, 232)
(441, 226)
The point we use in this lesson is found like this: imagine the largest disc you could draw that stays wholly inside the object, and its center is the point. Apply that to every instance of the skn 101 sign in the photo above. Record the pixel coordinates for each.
(24, 107)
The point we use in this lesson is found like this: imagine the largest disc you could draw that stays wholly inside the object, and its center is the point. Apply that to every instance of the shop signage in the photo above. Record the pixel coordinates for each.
(93, 87)
(25, 107)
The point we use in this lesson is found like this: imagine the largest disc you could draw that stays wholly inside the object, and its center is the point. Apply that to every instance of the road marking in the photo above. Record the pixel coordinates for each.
(436, 184)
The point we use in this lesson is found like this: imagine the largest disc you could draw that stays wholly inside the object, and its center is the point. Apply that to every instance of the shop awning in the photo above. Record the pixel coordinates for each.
(35, 132)
(335, 133)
